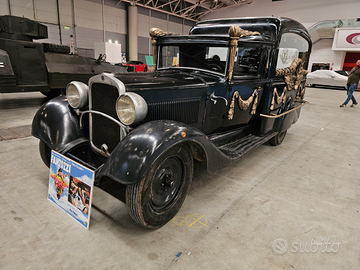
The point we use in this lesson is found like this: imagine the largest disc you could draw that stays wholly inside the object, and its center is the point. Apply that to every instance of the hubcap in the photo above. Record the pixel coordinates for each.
(166, 183)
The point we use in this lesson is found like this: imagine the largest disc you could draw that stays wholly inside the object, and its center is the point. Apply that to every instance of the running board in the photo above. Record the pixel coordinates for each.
(241, 146)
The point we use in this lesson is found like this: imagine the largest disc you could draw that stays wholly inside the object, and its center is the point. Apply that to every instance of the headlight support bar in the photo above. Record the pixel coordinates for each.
(126, 128)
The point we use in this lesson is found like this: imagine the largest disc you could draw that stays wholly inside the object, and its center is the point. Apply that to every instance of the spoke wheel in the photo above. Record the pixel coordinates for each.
(157, 198)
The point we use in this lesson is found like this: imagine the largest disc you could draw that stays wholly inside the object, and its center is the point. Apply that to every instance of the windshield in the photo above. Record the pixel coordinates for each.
(201, 56)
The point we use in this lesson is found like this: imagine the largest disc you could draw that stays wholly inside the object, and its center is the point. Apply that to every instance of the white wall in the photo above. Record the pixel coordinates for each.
(307, 12)
(304, 11)
(4, 7)
(65, 12)
(322, 53)
(88, 15)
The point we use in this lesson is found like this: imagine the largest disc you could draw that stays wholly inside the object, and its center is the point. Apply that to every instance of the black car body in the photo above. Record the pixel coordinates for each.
(203, 102)
(32, 66)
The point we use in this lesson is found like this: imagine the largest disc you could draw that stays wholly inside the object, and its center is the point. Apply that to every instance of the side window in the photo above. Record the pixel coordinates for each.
(247, 61)
(169, 56)
(292, 46)
(219, 53)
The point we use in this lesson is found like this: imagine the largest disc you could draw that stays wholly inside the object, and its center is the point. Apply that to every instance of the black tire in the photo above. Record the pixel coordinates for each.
(278, 139)
(157, 198)
(52, 93)
(45, 153)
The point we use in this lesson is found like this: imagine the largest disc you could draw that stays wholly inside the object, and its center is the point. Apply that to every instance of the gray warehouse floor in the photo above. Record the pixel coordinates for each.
(303, 194)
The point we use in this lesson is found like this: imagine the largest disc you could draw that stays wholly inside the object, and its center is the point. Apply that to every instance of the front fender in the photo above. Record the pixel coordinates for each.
(56, 124)
(136, 153)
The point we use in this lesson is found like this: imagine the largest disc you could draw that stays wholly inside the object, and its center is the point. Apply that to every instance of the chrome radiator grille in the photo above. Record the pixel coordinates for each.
(103, 130)
(185, 111)
(103, 99)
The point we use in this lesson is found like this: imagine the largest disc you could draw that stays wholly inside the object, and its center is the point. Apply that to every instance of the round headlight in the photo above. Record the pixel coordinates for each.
(131, 108)
(77, 94)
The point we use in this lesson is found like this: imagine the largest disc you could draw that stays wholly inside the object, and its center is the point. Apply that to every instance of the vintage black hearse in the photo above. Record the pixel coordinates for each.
(217, 93)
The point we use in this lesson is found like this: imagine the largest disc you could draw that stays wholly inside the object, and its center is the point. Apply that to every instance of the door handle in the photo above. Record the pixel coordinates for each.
(213, 98)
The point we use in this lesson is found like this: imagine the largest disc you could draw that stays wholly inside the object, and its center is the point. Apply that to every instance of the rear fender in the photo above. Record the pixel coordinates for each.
(136, 153)
(57, 124)
(284, 122)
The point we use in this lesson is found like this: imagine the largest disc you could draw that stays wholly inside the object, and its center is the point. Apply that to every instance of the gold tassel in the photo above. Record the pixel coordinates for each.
(244, 104)
(276, 98)
(235, 32)
(293, 75)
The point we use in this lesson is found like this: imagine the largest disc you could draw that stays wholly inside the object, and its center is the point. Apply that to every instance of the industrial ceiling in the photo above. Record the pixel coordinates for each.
(188, 9)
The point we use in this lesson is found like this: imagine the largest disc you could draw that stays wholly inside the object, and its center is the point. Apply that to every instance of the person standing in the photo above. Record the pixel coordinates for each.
(352, 84)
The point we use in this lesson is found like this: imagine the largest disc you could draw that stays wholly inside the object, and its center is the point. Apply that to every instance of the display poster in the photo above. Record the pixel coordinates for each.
(70, 187)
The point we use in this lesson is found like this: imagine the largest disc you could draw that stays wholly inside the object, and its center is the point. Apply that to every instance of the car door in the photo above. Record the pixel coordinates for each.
(246, 86)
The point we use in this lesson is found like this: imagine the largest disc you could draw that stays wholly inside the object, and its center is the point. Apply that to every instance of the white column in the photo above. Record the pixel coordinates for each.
(133, 33)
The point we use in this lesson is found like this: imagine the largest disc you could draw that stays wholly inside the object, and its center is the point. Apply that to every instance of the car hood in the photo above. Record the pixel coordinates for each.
(167, 79)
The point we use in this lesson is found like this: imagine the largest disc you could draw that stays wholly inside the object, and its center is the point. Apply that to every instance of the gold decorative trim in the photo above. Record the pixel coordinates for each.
(300, 94)
(293, 75)
(235, 32)
(276, 98)
(154, 34)
(244, 104)
(273, 116)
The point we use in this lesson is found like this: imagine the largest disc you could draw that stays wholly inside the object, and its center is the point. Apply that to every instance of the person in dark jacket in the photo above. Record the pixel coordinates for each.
(352, 84)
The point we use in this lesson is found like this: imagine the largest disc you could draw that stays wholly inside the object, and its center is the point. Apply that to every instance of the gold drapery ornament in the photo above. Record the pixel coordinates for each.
(235, 32)
(293, 75)
(244, 104)
(300, 94)
(276, 98)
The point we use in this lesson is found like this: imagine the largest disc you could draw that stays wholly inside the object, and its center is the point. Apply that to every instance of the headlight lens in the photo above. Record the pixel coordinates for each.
(131, 108)
(77, 94)
(126, 110)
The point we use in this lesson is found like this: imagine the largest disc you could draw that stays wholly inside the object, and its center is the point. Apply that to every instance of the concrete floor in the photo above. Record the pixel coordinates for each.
(303, 193)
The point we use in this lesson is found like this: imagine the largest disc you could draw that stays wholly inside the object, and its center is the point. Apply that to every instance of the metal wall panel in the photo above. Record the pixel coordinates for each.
(86, 37)
(143, 11)
(175, 28)
(65, 12)
(21, 8)
(175, 19)
(115, 20)
(144, 45)
(158, 23)
(121, 22)
(158, 15)
(46, 11)
(143, 25)
(88, 15)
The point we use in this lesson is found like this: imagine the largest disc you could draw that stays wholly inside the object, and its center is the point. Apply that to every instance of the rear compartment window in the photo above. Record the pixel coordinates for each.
(292, 46)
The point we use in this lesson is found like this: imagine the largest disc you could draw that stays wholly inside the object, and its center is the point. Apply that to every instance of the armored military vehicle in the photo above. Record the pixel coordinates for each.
(26, 65)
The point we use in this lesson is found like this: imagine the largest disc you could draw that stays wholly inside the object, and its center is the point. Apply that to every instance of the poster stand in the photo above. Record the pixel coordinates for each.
(71, 187)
